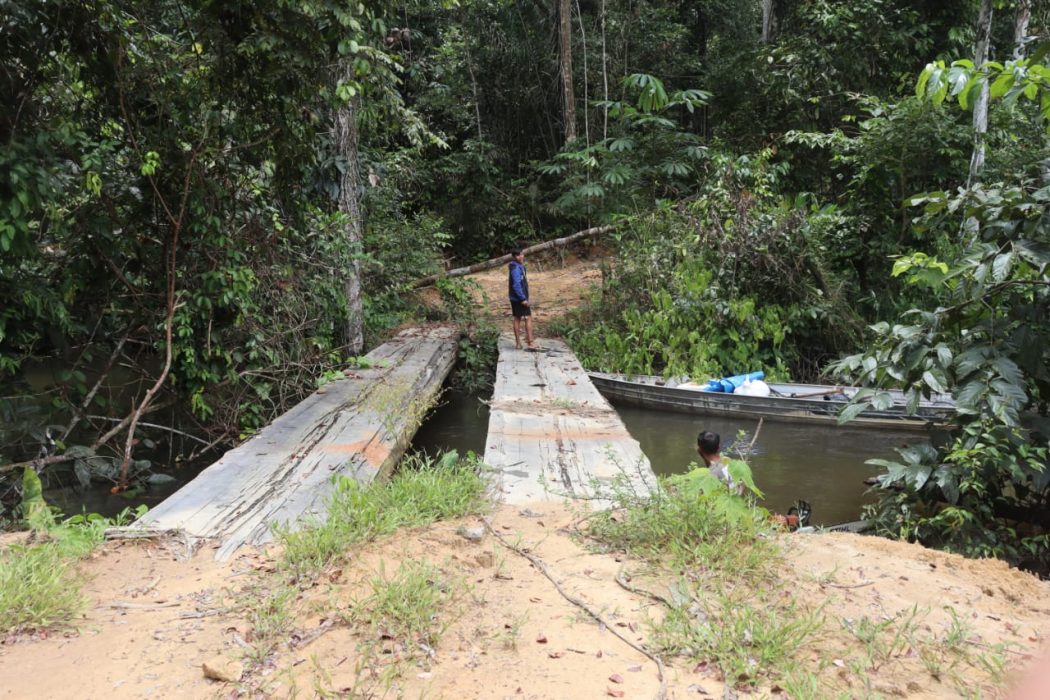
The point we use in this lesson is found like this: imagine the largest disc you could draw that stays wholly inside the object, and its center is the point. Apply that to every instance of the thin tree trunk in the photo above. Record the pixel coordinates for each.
(477, 106)
(565, 42)
(586, 97)
(980, 107)
(767, 21)
(605, 81)
(1021, 19)
(346, 138)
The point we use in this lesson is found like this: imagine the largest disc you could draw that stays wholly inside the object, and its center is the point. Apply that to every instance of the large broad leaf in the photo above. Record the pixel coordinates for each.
(945, 478)
(883, 401)
(1035, 253)
(741, 474)
(1001, 266)
(852, 411)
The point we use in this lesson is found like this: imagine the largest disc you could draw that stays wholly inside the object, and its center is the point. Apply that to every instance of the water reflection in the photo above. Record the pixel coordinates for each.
(821, 464)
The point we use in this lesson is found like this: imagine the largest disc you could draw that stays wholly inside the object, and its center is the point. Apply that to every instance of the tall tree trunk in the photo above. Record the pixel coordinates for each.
(980, 107)
(605, 80)
(586, 97)
(767, 21)
(346, 138)
(565, 41)
(1021, 19)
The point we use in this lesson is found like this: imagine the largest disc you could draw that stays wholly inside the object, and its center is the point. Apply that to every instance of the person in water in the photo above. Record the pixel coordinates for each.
(709, 445)
(518, 290)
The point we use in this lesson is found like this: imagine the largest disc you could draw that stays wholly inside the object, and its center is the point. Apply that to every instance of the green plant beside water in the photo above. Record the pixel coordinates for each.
(726, 606)
(40, 586)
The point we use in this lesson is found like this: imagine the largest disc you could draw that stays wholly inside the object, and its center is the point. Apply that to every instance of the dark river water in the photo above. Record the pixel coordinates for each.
(822, 465)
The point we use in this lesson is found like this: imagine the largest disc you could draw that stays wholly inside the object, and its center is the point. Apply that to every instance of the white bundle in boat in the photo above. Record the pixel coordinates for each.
(755, 388)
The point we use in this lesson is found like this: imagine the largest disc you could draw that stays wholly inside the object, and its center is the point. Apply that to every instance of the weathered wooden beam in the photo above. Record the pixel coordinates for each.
(504, 259)
(552, 435)
(358, 426)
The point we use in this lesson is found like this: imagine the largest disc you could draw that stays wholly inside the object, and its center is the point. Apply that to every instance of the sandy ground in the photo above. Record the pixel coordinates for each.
(155, 616)
(557, 284)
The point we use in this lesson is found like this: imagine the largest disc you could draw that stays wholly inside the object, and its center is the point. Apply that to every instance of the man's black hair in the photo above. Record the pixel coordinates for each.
(708, 442)
(516, 252)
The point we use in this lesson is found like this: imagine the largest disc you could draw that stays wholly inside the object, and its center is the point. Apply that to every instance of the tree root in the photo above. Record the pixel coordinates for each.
(661, 694)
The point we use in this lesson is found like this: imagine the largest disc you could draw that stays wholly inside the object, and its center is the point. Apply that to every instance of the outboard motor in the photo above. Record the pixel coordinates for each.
(801, 510)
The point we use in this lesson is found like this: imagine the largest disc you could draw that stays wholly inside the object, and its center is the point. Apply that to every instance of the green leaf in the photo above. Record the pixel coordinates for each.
(852, 410)
(883, 401)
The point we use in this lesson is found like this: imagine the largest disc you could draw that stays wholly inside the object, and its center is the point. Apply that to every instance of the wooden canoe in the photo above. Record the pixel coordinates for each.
(797, 403)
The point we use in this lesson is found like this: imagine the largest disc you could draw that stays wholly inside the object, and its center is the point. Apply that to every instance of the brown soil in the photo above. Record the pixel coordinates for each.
(557, 284)
(155, 617)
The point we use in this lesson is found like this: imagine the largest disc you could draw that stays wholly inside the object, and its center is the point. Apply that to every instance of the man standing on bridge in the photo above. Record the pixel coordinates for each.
(518, 288)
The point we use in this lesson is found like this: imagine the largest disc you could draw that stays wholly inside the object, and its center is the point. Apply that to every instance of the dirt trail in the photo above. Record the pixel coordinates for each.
(558, 283)
(509, 633)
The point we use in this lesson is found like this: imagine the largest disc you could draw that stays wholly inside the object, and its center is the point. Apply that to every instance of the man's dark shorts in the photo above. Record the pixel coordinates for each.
(519, 309)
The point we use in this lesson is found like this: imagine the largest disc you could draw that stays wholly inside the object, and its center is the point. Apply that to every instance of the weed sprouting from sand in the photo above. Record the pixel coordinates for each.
(423, 491)
(408, 608)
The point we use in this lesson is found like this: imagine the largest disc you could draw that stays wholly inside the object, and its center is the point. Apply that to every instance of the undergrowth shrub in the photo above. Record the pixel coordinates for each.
(731, 281)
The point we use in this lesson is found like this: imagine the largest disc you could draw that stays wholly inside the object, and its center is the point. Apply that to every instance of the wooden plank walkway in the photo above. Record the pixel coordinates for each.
(358, 426)
(552, 435)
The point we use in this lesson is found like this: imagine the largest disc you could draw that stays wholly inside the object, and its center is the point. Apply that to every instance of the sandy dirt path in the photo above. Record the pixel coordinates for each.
(154, 618)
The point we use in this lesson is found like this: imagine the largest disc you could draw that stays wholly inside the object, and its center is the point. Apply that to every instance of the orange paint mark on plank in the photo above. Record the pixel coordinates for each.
(372, 451)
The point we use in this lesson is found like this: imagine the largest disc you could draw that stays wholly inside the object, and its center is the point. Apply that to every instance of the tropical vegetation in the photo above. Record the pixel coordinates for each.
(206, 206)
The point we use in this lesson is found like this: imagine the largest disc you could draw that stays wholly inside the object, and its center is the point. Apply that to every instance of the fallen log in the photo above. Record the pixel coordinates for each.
(504, 259)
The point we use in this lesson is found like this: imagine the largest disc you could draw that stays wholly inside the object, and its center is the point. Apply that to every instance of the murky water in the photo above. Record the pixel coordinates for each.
(823, 465)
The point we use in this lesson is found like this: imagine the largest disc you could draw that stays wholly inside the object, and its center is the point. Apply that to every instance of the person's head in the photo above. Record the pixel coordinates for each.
(518, 254)
(708, 444)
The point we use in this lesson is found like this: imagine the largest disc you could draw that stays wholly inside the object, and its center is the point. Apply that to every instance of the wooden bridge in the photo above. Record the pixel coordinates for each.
(551, 436)
(358, 426)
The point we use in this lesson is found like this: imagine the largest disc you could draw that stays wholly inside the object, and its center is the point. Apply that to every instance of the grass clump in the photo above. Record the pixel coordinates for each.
(407, 607)
(40, 586)
(423, 491)
(726, 607)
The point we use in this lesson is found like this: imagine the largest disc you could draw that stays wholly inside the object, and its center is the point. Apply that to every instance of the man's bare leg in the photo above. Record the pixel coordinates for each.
(517, 332)
(528, 331)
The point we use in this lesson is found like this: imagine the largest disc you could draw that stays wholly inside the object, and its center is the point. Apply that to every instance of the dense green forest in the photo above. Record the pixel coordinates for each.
(211, 203)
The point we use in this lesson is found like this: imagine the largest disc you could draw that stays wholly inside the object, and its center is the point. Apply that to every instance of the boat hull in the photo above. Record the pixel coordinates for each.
(646, 392)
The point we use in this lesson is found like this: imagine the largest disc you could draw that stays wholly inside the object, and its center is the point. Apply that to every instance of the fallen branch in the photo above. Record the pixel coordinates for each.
(504, 259)
(640, 591)
(158, 426)
(661, 694)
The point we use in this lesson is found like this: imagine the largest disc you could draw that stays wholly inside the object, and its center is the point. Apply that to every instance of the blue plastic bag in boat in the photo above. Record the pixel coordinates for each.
(727, 385)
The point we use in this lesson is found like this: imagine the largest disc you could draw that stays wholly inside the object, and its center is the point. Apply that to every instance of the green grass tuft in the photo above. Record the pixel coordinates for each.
(423, 491)
(39, 587)
(408, 606)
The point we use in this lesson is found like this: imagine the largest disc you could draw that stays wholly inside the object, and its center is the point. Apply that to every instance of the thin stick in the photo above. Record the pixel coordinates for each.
(661, 694)
(153, 425)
